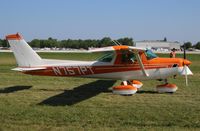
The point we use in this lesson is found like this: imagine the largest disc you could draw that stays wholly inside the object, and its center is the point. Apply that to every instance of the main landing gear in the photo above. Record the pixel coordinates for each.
(166, 87)
(127, 88)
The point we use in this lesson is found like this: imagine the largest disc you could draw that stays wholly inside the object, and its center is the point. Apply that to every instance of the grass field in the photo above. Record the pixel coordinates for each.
(55, 103)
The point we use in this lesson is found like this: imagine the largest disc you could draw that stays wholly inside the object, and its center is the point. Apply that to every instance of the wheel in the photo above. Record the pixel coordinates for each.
(166, 88)
(124, 90)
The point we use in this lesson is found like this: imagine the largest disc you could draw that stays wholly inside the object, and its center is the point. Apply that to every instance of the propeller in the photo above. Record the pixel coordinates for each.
(185, 66)
(186, 71)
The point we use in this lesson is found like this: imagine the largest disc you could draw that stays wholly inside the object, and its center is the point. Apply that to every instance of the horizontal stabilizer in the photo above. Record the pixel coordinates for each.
(28, 69)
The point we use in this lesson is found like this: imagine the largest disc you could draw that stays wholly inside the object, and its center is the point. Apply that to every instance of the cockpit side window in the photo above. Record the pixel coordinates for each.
(150, 55)
(108, 57)
(128, 57)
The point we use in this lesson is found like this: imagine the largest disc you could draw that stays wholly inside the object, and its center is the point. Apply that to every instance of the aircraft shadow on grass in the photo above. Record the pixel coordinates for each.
(14, 89)
(146, 92)
(80, 93)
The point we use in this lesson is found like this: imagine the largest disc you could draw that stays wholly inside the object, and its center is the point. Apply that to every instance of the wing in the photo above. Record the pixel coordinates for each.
(116, 48)
(104, 49)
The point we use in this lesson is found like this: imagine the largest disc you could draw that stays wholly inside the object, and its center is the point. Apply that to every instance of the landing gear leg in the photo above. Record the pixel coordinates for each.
(165, 81)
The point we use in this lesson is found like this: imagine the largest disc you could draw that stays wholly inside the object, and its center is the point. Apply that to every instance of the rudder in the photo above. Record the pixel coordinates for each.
(24, 54)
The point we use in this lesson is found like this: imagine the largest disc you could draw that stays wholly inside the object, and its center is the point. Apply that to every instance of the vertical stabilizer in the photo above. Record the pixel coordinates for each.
(24, 54)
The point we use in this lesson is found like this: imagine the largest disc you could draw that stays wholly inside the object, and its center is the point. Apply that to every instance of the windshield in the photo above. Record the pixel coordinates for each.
(108, 57)
(150, 55)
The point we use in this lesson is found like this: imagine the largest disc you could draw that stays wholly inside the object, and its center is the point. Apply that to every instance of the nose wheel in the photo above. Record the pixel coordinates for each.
(166, 87)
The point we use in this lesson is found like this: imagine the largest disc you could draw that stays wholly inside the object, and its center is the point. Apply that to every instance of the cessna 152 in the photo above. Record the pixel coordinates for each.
(126, 63)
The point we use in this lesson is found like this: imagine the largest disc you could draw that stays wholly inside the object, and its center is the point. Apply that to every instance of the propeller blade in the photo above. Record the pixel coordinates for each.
(186, 78)
(186, 71)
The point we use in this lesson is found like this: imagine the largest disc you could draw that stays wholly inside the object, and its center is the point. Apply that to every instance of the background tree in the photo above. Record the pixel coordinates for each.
(1, 43)
(187, 45)
(4, 43)
(126, 41)
(165, 39)
(51, 42)
(75, 44)
(106, 41)
(197, 46)
(35, 43)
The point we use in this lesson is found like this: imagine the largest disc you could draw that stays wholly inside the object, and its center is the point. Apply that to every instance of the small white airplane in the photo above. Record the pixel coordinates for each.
(126, 63)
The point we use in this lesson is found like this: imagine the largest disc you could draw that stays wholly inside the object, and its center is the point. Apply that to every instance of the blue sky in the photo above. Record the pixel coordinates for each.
(178, 20)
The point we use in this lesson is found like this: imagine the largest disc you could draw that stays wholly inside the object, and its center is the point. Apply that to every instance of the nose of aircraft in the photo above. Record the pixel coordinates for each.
(186, 62)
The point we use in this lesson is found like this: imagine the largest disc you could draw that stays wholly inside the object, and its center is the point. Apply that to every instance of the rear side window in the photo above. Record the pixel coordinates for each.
(128, 57)
(108, 57)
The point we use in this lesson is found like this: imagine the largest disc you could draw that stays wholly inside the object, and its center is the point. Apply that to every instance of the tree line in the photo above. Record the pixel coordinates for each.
(188, 45)
(74, 44)
(84, 44)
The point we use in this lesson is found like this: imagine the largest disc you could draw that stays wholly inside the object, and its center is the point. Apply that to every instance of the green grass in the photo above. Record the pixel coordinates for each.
(54, 103)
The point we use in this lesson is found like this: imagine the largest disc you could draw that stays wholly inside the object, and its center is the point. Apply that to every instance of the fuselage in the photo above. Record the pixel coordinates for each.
(114, 68)
(120, 63)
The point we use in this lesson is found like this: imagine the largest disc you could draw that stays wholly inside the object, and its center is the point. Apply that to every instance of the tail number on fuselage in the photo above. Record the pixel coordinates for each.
(72, 71)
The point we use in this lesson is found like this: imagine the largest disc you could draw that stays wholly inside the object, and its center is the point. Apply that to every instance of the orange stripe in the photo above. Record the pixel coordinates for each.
(123, 87)
(121, 47)
(95, 70)
(152, 64)
(14, 37)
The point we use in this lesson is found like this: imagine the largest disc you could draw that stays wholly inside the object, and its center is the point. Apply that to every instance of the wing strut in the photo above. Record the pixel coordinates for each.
(141, 64)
